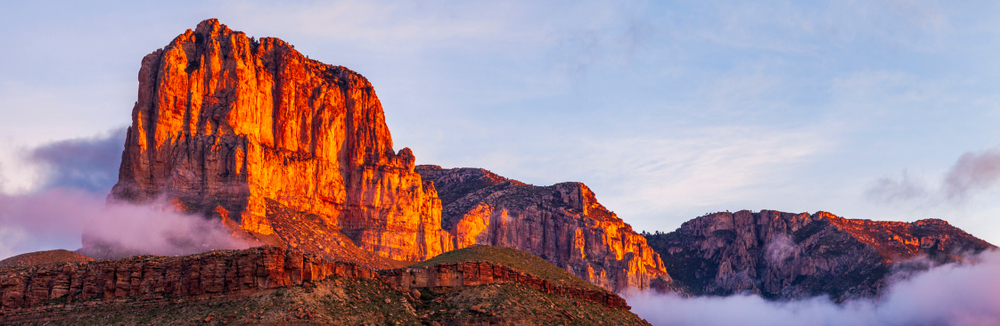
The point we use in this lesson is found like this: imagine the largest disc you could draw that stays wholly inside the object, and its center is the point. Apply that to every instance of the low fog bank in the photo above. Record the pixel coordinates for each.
(57, 218)
(953, 294)
(69, 200)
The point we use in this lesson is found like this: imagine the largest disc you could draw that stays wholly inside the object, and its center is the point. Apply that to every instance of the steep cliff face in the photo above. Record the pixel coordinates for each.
(562, 223)
(293, 152)
(785, 256)
(238, 129)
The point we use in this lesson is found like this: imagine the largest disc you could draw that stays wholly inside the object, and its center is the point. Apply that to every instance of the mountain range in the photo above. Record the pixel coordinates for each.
(292, 154)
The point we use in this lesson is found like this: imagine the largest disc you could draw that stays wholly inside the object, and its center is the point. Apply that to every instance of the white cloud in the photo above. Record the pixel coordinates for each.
(949, 295)
(57, 218)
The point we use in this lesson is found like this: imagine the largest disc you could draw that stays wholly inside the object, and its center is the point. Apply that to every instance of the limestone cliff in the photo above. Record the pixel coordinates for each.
(293, 152)
(787, 256)
(238, 129)
(562, 223)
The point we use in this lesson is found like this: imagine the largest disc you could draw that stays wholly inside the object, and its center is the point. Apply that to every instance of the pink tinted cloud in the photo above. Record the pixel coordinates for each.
(57, 218)
(953, 294)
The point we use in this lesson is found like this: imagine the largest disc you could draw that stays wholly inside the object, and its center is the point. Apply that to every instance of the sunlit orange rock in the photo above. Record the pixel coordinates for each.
(562, 223)
(233, 127)
(293, 152)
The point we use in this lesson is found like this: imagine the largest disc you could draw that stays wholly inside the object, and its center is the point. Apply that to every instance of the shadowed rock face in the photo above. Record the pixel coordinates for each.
(237, 129)
(562, 223)
(787, 256)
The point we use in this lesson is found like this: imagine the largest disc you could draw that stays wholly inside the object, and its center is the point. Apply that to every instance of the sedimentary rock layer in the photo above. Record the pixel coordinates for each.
(786, 256)
(156, 277)
(563, 223)
(225, 124)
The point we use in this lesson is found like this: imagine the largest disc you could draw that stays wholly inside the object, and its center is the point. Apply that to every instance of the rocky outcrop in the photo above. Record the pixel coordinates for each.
(562, 223)
(275, 286)
(485, 273)
(156, 277)
(236, 128)
(788, 256)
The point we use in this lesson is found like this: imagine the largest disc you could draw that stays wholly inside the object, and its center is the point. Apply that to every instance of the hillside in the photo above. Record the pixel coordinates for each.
(513, 258)
(270, 285)
(43, 257)
(342, 301)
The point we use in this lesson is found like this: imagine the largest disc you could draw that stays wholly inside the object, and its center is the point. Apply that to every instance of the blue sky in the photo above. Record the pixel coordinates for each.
(667, 109)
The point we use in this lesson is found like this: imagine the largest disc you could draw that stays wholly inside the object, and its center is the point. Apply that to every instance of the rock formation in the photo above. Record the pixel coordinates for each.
(276, 286)
(289, 151)
(236, 128)
(788, 256)
(562, 223)
(157, 277)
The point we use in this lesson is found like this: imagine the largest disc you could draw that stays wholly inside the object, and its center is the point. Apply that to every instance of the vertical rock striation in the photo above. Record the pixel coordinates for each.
(293, 152)
(791, 256)
(562, 223)
(156, 277)
(234, 128)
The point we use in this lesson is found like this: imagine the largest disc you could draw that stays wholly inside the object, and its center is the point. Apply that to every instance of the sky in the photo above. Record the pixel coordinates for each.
(667, 110)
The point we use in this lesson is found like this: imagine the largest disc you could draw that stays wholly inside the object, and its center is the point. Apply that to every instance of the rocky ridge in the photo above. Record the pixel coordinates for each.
(271, 285)
(288, 151)
(157, 277)
(791, 256)
(562, 223)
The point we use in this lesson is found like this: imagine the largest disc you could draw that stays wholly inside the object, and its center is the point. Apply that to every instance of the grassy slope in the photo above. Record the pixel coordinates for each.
(513, 258)
(43, 257)
(343, 301)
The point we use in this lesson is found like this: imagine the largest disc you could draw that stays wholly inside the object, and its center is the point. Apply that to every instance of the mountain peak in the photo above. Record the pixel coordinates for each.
(255, 129)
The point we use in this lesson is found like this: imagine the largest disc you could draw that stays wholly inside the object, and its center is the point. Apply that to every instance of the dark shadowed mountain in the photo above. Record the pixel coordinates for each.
(789, 256)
